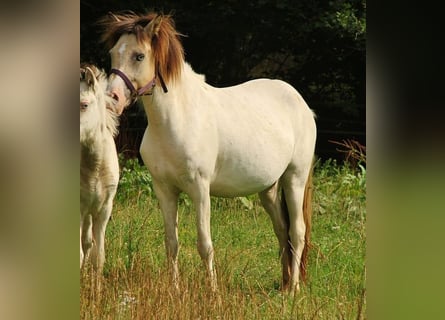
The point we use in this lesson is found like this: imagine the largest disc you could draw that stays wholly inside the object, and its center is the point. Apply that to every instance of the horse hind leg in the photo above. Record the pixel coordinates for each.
(294, 195)
(271, 202)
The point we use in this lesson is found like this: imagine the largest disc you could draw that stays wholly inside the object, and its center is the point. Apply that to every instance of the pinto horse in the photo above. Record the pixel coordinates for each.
(99, 168)
(256, 137)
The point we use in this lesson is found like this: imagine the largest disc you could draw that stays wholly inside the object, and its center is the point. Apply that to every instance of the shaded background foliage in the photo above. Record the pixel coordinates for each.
(317, 46)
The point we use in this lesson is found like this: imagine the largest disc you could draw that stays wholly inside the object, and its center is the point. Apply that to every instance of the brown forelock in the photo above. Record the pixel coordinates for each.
(167, 48)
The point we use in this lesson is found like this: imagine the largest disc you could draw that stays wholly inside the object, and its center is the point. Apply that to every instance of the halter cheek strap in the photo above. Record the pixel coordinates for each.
(141, 91)
(164, 87)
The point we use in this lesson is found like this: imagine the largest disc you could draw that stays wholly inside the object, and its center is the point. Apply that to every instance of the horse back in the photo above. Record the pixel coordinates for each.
(262, 128)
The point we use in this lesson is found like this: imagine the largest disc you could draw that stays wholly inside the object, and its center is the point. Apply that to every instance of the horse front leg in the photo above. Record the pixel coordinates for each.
(201, 199)
(86, 237)
(100, 222)
(80, 240)
(168, 200)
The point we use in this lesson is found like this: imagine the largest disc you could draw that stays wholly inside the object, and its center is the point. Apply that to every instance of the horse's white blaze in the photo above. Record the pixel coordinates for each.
(122, 48)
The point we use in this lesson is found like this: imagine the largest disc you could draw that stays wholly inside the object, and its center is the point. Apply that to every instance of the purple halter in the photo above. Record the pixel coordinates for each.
(141, 91)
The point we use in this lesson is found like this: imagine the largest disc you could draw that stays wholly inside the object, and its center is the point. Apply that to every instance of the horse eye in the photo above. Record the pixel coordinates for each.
(140, 57)
(83, 105)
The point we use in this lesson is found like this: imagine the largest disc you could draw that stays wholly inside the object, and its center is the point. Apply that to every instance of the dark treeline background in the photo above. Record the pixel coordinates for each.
(317, 46)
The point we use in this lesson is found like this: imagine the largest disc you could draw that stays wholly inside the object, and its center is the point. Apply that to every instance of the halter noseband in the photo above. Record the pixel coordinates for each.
(141, 91)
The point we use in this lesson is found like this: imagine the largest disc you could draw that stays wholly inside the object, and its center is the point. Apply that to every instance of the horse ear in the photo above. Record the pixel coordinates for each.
(153, 27)
(90, 77)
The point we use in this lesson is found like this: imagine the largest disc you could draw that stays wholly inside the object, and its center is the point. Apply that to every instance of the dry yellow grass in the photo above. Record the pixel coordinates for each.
(136, 284)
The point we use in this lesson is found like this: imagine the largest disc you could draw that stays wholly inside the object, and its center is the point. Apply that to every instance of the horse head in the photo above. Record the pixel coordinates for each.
(145, 51)
(88, 86)
(92, 98)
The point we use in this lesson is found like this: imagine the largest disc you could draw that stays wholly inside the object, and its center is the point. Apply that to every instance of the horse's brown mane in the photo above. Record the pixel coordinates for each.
(167, 48)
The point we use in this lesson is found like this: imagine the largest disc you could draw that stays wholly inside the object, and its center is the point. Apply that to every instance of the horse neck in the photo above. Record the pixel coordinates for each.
(92, 128)
(92, 146)
(90, 155)
(167, 110)
(93, 132)
(93, 152)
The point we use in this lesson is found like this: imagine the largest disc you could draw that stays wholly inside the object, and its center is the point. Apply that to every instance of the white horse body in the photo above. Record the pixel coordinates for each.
(99, 167)
(256, 137)
(240, 138)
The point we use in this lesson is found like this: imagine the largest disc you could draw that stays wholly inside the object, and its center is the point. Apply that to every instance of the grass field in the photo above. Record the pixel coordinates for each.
(136, 286)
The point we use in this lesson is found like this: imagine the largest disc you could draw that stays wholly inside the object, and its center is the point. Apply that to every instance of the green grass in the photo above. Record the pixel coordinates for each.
(136, 285)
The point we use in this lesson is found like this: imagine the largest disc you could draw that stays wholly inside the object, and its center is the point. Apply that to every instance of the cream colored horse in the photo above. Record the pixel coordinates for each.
(99, 168)
(256, 137)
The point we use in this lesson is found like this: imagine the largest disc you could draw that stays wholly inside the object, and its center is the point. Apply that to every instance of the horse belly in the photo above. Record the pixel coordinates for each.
(254, 151)
(241, 177)
(230, 189)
